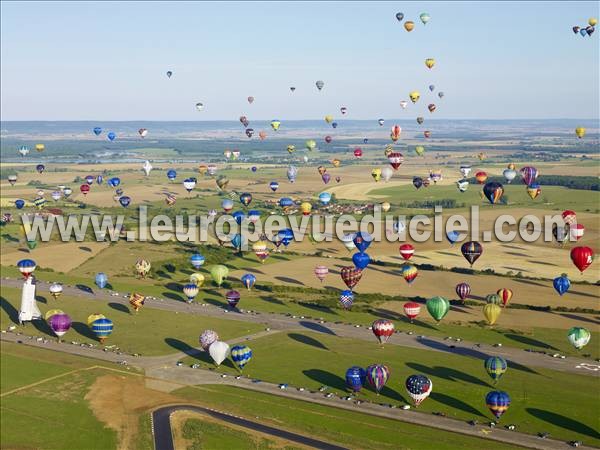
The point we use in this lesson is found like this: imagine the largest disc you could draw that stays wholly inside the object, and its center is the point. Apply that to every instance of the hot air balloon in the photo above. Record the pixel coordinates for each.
(246, 199)
(350, 276)
(385, 206)
(425, 18)
(275, 124)
(582, 257)
(417, 182)
(491, 312)
(481, 177)
(386, 173)
(462, 185)
(197, 260)
(409, 25)
(219, 273)
(102, 328)
(310, 144)
(358, 152)
(403, 104)
(578, 337)
(377, 375)
(418, 387)
(429, 63)
(41, 147)
(40, 168)
(207, 338)
(463, 290)
(328, 139)
(376, 174)
(143, 132)
(26, 267)
(274, 185)
(497, 402)
(465, 170)
(101, 280)
(169, 73)
(576, 231)
(420, 150)
(250, 99)
(56, 195)
(343, 110)
(471, 250)
(136, 301)
(233, 298)
(505, 295)
(348, 241)
(355, 378)
(438, 307)
(361, 260)
(395, 159)
(399, 16)
(97, 130)
(190, 290)
(409, 273)
(328, 118)
(580, 132)
(414, 96)
(321, 272)
(56, 290)
(199, 106)
(23, 150)
(382, 329)
(260, 250)
(249, 132)
(420, 120)
(19, 204)
(325, 198)
(493, 191)
(534, 190)
(222, 182)
(346, 299)
(561, 284)
(319, 84)
(197, 279)
(142, 267)
(427, 134)
(60, 323)
(380, 122)
(218, 351)
(241, 355)
(509, 174)
(495, 366)
(395, 133)
(12, 179)
(362, 240)
(248, 280)
(412, 310)
(253, 216)
(111, 136)
(529, 174)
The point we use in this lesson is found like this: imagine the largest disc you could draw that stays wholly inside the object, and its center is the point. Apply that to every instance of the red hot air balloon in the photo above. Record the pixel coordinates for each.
(351, 276)
(358, 152)
(577, 231)
(569, 216)
(328, 139)
(84, 188)
(396, 159)
(383, 329)
(481, 177)
(412, 310)
(582, 257)
(505, 295)
(427, 133)
(463, 290)
(395, 133)
(406, 251)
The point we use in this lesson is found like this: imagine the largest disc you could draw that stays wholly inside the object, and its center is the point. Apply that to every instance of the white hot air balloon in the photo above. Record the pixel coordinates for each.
(199, 106)
(465, 170)
(147, 167)
(509, 174)
(386, 173)
(218, 351)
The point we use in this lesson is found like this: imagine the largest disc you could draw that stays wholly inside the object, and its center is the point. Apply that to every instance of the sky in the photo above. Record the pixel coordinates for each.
(108, 60)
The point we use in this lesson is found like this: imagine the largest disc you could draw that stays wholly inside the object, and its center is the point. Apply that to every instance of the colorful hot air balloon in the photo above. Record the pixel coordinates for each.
(274, 185)
(529, 174)
(414, 96)
(361, 260)
(505, 295)
(248, 280)
(324, 198)
(207, 338)
(582, 257)
(412, 310)
(395, 133)
(26, 267)
(534, 190)
(497, 402)
(471, 250)
(493, 191)
(93, 317)
(495, 366)
(102, 328)
(419, 150)
(578, 337)
(241, 355)
(463, 290)
(409, 273)
(418, 387)
(197, 260)
(260, 250)
(60, 323)
(346, 299)
(438, 307)
(491, 312)
(190, 290)
(275, 124)
(395, 159)
(321, 272)
(382, 329)
(233, 298)
(481, 177)
(41, 147)
(142, 267)
(377, 376)
(137, 301)
(355, 378)
(219, 273)
(425, 17)
(350, 276)
(561, 284)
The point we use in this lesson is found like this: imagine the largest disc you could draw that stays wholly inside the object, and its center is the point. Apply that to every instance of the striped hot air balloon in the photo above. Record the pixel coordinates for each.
(233, 298)
(383, 329)
(409, 273)
(497, 402)
(321, 272)
(241, 355)
(346, 299)
(102, 328)
(412, 310)
(377, 376)
(505, 295)
(463, 290)
(350, 276)
(137, 301)
(495, 366)
(26, 267)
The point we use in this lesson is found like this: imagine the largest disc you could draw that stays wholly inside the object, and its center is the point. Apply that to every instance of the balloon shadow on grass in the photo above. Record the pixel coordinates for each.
(529, 341)
(303, 339)
(172, 296)
(316, 327)
(84, 330)
(270, 299)
(289, 280)
(581, 318)
(84, 288)
(447, 373)
(563, 422)
(41, 299)
(43, 327)
(326, 378)
(119, 307)
(10, 310)
(455, 403)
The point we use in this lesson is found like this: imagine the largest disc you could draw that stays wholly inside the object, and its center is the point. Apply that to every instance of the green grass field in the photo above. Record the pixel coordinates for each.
(349, 428)
(460, 383)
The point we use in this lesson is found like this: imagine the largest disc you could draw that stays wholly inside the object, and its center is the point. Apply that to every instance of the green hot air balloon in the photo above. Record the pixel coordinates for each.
(578, 337)
(493, 299)
(438, 307)
(219, 273)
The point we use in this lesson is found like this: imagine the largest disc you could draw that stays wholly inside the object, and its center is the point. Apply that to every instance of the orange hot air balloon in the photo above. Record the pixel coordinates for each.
(262, 135)
(336, 162)
(409, 26)
(481, 177)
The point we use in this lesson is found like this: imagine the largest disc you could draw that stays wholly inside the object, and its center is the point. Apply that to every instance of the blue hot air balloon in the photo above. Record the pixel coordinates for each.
(253, 215)
(254, 168)
(325, 198)
(495, 366)
(274, 185)
(119, 191)
(237, 241)
(562, 284)
(285, 202)
(334, 124)
(102, 328)
(355, 378)
(114, 181)
(361, 260)
(362, 240)
(497, 402)
(241, 355)
(287, 236)
(99, 179)
(111, 136)
(171, 174)
(124, 201)
(19, 203)
(97, 130)
(248, 280)
(101, 280)
(197, 260)
(452, 236)
(239, 216)
(346, 299)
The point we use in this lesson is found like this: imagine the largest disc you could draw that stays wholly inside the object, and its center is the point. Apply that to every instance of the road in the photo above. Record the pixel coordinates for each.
(186, 376)
(283, 323)
(163, 437)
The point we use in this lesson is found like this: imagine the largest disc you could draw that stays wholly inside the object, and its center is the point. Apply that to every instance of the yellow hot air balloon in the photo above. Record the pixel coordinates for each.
(580, 132)
(592, 21)
(202, 169)
(291, 149)
(336, 162)
(93, 317)
(197, 279)
(409, 25)
(40, 147)
(260, 250)
(142, 267)
(420, 150)
(328, 118)
(511, 166)
(137, 301)
(275, 124)
(388, 149)
(51, 312)
(385, 207)
(414, 96)
(376, 174)
(491, 312)
(306, 208)
(430, 62)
